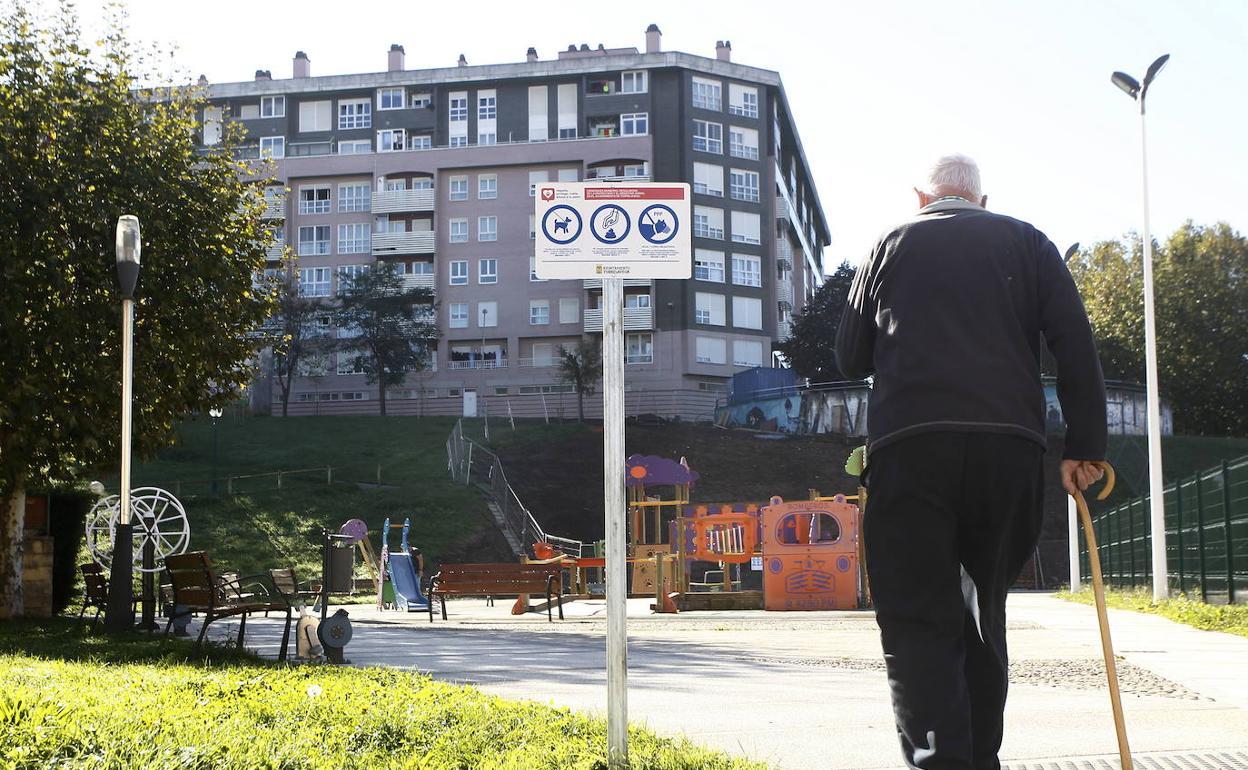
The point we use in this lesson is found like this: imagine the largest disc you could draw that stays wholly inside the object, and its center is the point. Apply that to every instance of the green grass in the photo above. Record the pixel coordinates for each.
(76, 701)
(1233, 619)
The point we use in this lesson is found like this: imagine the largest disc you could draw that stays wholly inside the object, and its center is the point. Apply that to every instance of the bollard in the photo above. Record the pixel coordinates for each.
(279, 479)
(329, 475)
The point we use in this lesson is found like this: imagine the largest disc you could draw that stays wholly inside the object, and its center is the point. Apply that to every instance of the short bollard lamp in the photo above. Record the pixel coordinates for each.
(118, 617)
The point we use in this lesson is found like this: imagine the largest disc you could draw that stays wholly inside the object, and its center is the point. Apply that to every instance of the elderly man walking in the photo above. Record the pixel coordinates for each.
(948, 314)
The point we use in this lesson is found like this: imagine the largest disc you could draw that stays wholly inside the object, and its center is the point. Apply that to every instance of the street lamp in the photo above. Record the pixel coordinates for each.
(1157, 521)
(121, 576)
(215, 413)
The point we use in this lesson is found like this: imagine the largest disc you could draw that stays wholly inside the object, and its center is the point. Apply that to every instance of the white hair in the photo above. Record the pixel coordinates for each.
(954, 174)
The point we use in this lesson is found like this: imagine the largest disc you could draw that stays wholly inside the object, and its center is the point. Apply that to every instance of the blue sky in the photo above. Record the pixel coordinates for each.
(879, 89)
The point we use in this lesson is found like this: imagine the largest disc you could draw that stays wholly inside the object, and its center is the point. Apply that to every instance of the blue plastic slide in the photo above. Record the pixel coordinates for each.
(407, 595)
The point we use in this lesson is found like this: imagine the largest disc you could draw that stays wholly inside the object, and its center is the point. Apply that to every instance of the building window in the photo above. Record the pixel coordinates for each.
(536, 178)
(459, 141)
(314, 200)
(569, 310)
(708, 137)
(487, 228)
(634, 123)
(353, 239)
(355, 113)
(747, 353)
(487, 137)
(707, 94)
(745, 227)
(487, 314)
(314, 282)
(709, 309)
(459, 230)
(539, 312)
(355, 147)
(272, 147)
(459, 272)
(639, 348)
(743, 142)
(636, 301)
(567, 110)
(487, 186)
(422, 142)
(487, 105)
(708, 265)
(708, 179)
(390, 98)
(391, 140)
(459, 188)
(743, 100)
(711, 350)
(743, 185)
(387, 225)
(353, 197)
(633, 82)
(533, 269)
(747, 312)
(457, 315)
(487, 271)
(459, 108)
(315, 116)
(272, 106)
(313, 241)
(420, 101)
(532, 227)
(347, 275)
(567, 133)
(747, 270)
(708, 222)
(635, 169)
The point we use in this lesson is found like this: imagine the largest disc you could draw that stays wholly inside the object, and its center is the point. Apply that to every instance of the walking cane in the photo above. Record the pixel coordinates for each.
(1102, 616)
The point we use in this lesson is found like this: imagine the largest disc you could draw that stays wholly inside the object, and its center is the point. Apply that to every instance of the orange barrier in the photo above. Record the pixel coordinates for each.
(810, 555)
(728, 536)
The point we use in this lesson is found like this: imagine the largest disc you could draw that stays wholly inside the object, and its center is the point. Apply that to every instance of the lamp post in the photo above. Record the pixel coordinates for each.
(121, 575)
(215, 413)
(1157, 521)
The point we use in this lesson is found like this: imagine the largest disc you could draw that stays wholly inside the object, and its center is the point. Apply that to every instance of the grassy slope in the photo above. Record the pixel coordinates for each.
(77, 701)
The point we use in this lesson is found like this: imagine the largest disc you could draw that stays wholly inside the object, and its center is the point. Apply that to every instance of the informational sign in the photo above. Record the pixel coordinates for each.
(609, 230)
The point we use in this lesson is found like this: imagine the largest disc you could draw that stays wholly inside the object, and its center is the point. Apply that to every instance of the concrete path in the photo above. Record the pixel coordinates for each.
(807, 690)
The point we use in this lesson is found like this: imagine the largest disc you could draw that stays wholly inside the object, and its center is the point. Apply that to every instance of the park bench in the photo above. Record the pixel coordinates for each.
(197, 589)
(95, 590)
(497, 579)
(287, 585)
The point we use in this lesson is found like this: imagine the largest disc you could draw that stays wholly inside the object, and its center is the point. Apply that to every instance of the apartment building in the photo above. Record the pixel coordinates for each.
(433, 171)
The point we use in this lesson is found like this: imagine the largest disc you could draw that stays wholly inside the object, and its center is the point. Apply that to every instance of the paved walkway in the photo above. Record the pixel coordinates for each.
(807, 690)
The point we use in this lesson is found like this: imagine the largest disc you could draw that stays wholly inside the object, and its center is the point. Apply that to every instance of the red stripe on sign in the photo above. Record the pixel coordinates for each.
(634, 193)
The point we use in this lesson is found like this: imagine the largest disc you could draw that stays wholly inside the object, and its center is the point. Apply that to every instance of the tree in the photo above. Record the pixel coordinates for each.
(82, 146)
(386, 328)
(1200, 279)
(810, 348)
(294, 334)
(581, 367)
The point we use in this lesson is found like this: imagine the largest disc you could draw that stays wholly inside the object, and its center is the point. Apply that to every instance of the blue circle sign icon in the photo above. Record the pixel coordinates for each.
(658, 224)
(610, 224)
(561, 224)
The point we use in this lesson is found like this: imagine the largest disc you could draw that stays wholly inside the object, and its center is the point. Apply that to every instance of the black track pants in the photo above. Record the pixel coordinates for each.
(937, 501)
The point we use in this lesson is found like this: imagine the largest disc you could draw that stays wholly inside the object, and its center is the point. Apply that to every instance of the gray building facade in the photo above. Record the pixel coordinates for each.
(433, 170)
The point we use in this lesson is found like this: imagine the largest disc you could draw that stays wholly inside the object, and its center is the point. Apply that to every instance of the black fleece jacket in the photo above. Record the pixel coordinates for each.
(948, 314)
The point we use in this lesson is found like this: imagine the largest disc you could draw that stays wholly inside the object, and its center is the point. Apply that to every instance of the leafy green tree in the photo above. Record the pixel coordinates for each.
(80, 147)
(581, 367)
(1200, 280)
(810, 348)
(390, 327)
(294, 334)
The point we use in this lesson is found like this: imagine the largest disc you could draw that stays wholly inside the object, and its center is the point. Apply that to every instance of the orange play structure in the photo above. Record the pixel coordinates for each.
(810, 555)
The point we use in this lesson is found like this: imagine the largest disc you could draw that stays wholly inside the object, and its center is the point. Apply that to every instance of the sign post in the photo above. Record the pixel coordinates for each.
(588, 230)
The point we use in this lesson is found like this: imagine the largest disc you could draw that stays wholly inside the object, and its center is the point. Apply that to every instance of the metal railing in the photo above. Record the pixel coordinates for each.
(1206, 525)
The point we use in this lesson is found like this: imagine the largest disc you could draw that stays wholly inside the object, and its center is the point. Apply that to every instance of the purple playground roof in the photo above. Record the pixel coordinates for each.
(652, 471)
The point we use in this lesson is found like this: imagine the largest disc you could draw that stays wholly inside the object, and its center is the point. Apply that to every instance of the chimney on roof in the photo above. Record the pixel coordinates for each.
(264, 75)
(584, 47)
(723, 50)
(463, 61)
(654, 39)
(531, 54)
(303, 66)
(203, 80)
(396, 59)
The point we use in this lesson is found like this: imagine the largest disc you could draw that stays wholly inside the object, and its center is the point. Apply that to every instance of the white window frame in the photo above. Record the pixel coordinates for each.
(639, 348)
(316, 247)
(536, 178)
(276, 106)
(487, 105)
(419, 100)
(533, 270)
(350, 244)
(747, 270)
(743, 185)
(708, 179)
(489, 312)
(420, 142)
(738, 348)
(539, 312)
(349, 272)
(457, 188)
(276, 147)
(708, 136)
(714, 347)
(569, 310)
(487, 186)
(354, 196)
(457, 107)
(634, 82)
(743, 100)
(392, 140)
(316, 109)
(457, 315)
(634, 124)
(747, 312)
(386, 100)
(708, 265)
(317, 204)
(357, 146)
(740, 234)
(487, 270)
(709, 309)
(737, 145)
(708, 94)
(458, 230)
(355, 113)
(314, 281)
(712, 227)
(487, 228)
(457, 272)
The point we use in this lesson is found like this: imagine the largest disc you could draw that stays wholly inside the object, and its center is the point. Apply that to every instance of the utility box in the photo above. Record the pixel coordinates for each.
(810, 555)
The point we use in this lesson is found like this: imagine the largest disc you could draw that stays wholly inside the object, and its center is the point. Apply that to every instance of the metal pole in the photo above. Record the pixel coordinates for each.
(1072, 535)
(1178, 541)
(613, 497)
(1157, 509)
(1226, 519)
(121, 573)
(215, 420)
(1200, 536)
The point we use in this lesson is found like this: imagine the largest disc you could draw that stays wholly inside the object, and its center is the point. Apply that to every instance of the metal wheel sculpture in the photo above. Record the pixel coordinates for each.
(157, 516)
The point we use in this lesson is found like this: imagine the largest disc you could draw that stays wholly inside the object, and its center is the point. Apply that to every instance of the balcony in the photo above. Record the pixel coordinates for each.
(396, 201)
(536, 363)
(415, 242)
(625, 179)
(479, 363)
(784, 292)
(275, 252)
(274, 208)
(784, 330)
(782, 210)
(596, 283)
(636, 319)
(419, 281)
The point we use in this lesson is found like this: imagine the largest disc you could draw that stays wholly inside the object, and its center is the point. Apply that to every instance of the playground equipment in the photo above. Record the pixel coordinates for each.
(159, 519)
(357, 530)
(810, 555)
(404, 568)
